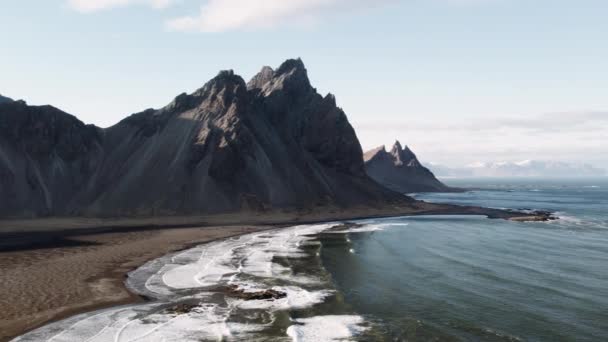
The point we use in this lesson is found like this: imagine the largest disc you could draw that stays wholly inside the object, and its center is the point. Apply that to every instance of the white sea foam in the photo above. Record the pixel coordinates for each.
(367, 228)
(87, 327)
(248, 262)
(567, 219)
(297, 298)
(220, 262)
(383, 226)
(229, 261)
(152, 323)
(206, 322)
(325, 328)
(362, 229)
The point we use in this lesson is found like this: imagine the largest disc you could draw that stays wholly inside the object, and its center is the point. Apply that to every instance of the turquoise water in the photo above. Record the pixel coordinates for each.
(471, 278)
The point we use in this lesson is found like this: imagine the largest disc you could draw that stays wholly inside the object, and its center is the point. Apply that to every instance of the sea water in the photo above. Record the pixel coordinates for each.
(442, 278)
(470, 278)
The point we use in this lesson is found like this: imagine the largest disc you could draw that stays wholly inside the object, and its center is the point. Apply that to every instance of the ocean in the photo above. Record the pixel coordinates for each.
(425, 278)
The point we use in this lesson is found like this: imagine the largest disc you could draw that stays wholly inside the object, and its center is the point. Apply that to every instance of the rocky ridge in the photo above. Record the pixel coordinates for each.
(268, 144)
(400, 170)
(4, 99)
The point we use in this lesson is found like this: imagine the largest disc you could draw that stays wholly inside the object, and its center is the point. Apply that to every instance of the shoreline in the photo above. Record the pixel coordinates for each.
(67, 281)
(33, 231)
(79, 238)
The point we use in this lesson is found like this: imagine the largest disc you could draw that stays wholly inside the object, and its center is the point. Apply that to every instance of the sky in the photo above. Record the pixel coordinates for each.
(459, 81)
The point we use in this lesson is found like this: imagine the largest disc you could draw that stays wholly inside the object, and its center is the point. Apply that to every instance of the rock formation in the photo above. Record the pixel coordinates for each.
(4, 99)
(271, 143)
(46, 158)
(401, 171)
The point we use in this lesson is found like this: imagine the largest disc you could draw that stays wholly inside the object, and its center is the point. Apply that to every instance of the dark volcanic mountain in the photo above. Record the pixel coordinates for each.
(401, 171)
(272, 143)
(4, 99)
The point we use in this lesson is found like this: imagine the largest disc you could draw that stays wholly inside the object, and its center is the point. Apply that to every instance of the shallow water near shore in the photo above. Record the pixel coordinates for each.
(469, 278)
(414, 278)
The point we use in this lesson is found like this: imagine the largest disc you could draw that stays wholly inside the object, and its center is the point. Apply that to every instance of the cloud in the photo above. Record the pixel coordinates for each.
(231, 15)
(565, 121)
(88, 6)
(549, 123)
(567, 136)
(228, 15)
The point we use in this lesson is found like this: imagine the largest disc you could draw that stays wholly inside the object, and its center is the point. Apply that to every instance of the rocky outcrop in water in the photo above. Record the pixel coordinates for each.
(400, 170)
(229, 146)
(269, 294)
(534, 215)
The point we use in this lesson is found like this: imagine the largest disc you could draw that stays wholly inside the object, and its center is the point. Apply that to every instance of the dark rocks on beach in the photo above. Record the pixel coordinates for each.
(400, 170)
(269, 294)
(274, 143)
(536, 216)
(344, 226)
(547, 214)
(181, 309)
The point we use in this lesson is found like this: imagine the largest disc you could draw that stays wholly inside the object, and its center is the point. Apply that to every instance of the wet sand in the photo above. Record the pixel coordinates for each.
(54, 268)
(41, 285)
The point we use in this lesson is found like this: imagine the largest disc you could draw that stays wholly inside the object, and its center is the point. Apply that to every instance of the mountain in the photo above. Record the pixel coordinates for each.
(401, 171)
(526, 168)
(4, 99)
(271, 143)
(46, 157)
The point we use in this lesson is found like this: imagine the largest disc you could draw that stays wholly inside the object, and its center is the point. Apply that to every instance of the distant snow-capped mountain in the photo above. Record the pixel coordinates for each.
(525, 168)
(441, 170)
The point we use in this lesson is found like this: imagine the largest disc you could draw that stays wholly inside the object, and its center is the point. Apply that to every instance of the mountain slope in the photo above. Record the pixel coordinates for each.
(46, 156)
(4, 99)
(272, 143)
(401, 171)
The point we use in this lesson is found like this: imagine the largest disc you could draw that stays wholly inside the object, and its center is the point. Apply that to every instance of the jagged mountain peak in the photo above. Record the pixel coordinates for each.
(291, 77)
(225, 78)
(267, 70)
(408, 155)
(261, 78)
(226, 87)
(181, 102)
(292, 64)
(403, 155)
(292, 70)
(221, 91)
(377, 152)
(400, 170)
(330, 99)
(295, 72)
(397, 147)
(224, 147)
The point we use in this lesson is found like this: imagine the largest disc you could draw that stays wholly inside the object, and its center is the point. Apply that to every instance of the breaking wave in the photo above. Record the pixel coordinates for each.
(193, 300)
